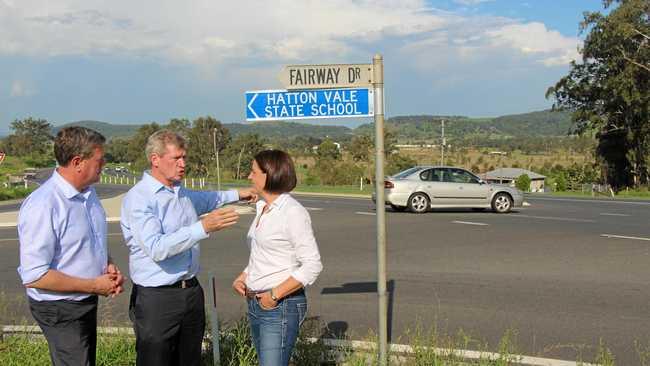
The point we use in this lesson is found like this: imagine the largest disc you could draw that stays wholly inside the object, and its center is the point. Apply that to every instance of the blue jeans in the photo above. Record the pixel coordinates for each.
(275, 331)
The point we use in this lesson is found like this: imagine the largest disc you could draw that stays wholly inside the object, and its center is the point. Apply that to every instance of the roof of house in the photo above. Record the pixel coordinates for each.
(511, 173)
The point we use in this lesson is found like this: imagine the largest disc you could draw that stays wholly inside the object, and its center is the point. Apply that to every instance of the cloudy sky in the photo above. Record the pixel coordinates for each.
(142, 61)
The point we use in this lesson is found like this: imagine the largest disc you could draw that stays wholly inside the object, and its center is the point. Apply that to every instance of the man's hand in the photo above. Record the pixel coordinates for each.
(105, 284)
(240, 287)
(265, 301)
(119, 279)
(249, 195)
(219, 219)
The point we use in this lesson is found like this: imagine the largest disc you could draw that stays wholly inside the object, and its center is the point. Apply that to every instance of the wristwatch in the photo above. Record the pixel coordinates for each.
(273, 297)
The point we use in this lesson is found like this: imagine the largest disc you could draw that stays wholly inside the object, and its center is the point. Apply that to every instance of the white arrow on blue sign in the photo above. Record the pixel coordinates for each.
(270, 105)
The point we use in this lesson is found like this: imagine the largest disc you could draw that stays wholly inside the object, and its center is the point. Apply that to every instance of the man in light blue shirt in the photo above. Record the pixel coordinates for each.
(162, 229)
(64, 261)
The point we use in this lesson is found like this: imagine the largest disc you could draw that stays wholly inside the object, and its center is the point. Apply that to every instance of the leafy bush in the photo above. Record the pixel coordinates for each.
(523, 183)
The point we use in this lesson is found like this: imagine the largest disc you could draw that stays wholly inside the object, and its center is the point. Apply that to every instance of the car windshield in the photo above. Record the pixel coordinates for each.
(406, 173)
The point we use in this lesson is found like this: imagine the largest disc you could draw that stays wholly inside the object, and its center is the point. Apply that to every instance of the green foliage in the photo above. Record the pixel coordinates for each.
(361, 148)
(117, 151)
(135, 149)
(31, 138)
(523, 183)
(333, 172)
(328, 150)
(206, 136)
(238, 155)
(397, 162)
(608, 91)
(14, 193)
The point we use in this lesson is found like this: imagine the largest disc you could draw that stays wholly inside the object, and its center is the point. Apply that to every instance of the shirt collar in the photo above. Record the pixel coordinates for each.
(68, 190)
(155, 185)
(280, 201)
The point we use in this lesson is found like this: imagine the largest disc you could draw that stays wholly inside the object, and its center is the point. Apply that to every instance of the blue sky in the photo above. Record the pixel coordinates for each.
(153, 60)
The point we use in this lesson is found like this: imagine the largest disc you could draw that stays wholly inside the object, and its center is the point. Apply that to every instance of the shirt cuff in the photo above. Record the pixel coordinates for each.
(298, 276)
(197, 232)
(232, 196)
(33, 274)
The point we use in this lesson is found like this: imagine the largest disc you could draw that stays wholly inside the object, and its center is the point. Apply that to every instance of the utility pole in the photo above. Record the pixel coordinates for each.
(239, 160)
(216, 153)
(442, 145)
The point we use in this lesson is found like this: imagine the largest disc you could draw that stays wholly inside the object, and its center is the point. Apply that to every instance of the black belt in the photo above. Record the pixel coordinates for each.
(253, 294)
(192, 282)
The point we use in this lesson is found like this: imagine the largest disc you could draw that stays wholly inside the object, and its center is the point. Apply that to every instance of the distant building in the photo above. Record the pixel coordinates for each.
(508, 176)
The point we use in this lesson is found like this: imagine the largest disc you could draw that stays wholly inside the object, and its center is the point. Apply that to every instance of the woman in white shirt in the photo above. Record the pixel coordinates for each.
(284, 258)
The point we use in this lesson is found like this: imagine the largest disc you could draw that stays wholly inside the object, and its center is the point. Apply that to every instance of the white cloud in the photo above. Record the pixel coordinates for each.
(470, 2)
(221, 35)
(20, 89)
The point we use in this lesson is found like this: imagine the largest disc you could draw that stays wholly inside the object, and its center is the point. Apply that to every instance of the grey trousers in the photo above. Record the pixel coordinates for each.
(70, 328)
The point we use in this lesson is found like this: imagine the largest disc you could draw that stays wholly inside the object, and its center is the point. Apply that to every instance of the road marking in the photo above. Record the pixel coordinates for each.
(469, 223)
(614, 214)
(314, 208)
(525, 204)
(16, 239)
(551, 218)
(589, 201)
(366, 213)
(623, 237)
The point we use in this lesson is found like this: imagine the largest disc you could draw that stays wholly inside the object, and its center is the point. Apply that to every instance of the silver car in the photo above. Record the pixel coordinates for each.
(424, 187)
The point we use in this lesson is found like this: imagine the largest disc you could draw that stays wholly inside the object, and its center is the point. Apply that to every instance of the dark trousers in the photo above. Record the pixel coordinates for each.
(169, 324)
(70, 328)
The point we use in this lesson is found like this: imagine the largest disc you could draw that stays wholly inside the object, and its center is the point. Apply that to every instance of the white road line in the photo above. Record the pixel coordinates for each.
(551, 218)
(614, 214)
(469, 223)
(623, 237)
(16, 239)
(314, 208)
(366, 213)
(589, 201)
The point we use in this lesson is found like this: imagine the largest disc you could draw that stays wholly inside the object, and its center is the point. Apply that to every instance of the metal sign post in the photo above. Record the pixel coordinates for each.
(378, 85)
(214, 321)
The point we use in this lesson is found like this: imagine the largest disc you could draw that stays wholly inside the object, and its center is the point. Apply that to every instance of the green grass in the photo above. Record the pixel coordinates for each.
(15, 193)
(632, 195)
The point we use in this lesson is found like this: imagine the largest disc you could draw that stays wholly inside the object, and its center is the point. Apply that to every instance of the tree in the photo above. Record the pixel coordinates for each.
(239, 154)
(180, 125)
(609, 91)
(328, 150)
(136, 147)
(523, 183)
(116, 151)
(206, 132)
(361, 148)
(31, 137)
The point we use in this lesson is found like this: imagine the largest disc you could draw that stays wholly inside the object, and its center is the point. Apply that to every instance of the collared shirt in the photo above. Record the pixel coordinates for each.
(62, 229)
(162, 230)
(282, 244)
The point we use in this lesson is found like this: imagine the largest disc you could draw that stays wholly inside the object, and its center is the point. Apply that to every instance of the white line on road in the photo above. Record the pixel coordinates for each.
(314, 208)
(623, 237)
(366, 213)
(469, 223)
(589, 201)
(551, 218)
(15, 239)
(614, 214)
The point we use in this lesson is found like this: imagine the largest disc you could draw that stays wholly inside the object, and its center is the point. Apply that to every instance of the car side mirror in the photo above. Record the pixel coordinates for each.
(481, 181)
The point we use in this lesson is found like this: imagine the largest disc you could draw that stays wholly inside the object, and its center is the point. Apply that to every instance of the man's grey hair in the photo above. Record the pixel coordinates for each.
(158, 141)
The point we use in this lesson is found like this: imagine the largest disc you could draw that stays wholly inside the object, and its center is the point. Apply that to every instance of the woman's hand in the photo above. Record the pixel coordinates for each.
(240, 287)
(265, 300)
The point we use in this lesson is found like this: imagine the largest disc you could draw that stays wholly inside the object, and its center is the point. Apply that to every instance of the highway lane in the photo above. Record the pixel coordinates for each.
(545, 271)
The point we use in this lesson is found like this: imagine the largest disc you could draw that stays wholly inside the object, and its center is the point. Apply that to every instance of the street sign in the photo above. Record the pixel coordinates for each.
(326, 76)
(269, 105)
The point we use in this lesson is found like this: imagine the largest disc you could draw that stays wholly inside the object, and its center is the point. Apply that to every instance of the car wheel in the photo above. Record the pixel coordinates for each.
(502, 203)
(398, 208)
(419, 203)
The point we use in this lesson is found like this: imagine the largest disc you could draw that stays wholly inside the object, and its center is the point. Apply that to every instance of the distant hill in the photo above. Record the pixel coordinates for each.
(106, 129)
(409, 128)
(279, 129)
(427, 127)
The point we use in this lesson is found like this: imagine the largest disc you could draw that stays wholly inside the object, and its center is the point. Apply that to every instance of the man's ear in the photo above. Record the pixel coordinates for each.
(155, 160)
(75, 163)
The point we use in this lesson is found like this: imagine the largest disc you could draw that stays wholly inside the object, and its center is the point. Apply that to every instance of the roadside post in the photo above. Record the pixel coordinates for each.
(337, 91)
(378, 86)
(214, 321)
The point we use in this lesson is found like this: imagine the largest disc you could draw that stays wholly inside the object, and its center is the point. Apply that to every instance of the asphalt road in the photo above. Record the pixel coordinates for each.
(562, 273)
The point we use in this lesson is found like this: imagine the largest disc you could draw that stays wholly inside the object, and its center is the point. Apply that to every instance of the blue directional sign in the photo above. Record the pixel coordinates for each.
(270, 105)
